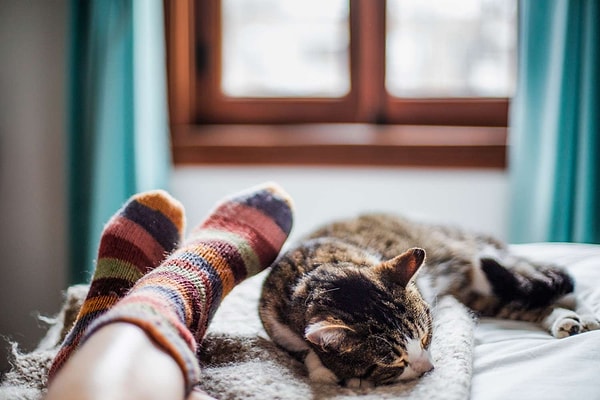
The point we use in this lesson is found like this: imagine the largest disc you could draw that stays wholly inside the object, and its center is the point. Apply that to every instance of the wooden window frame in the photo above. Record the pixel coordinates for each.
(361, 128)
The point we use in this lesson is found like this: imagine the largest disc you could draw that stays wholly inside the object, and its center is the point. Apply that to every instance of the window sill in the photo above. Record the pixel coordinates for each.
(341, 144)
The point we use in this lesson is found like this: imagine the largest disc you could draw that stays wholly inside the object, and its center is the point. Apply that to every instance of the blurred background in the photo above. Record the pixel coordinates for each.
(56, 192)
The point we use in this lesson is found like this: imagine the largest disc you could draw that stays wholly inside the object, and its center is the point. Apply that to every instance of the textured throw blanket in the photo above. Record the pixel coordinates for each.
(240, 362)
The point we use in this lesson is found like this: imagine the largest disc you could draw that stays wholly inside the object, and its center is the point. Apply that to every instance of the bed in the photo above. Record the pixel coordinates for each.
(516, 360)
(482, 359)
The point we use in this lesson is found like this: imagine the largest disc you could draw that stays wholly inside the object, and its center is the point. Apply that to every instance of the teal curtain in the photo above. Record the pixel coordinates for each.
(118, 127)
(555, 132)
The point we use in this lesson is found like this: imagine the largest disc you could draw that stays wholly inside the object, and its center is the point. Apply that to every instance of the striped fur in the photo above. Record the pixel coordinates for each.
(345, 301)
(175, 302)
(134, 241)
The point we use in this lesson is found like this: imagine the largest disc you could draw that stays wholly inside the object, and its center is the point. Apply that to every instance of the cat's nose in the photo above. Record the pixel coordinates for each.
(423, 365)
(428, 367)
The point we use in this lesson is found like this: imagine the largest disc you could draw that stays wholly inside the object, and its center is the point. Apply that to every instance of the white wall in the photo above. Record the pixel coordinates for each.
(32, 165)
(474, 199)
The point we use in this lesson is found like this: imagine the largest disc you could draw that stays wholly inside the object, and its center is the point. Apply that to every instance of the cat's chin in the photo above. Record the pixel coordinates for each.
(410, 374)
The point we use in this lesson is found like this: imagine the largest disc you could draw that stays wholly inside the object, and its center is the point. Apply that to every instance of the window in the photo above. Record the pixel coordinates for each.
(396, 82)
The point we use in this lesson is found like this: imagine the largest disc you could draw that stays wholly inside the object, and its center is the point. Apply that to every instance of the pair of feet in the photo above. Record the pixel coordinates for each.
(145, 276)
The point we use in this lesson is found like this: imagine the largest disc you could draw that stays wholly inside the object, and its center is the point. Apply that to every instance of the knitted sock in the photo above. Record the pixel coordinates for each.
(134, 241)
(175, 302)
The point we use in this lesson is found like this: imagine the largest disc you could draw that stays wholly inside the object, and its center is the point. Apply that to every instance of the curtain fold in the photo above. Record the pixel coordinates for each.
(118, 126)
(554, 135)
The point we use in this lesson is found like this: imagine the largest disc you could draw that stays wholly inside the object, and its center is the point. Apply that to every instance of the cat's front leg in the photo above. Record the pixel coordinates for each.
(317, 372)
(357, 383)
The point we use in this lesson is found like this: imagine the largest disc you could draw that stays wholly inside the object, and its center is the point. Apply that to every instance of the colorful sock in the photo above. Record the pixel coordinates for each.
(175, 302)
(134, 241)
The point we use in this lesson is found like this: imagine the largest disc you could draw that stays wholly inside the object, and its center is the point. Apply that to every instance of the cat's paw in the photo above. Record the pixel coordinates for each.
(323, 375)
(589, 322)
(567, 325)
(571, 323)
(357, 383)
(317, 372)
(563, 323)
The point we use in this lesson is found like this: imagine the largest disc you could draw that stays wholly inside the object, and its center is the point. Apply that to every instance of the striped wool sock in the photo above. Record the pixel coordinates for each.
(175, 302)
(134, 241)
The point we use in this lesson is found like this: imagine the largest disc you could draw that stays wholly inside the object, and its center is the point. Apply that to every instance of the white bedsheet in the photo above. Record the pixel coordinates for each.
(517, 360)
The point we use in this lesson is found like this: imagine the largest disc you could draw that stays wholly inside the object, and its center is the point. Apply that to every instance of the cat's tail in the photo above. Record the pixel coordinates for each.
(527, 285)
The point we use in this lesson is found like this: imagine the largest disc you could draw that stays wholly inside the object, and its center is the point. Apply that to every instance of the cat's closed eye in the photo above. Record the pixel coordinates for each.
(397, 358)
(386, 375)
(369, 371)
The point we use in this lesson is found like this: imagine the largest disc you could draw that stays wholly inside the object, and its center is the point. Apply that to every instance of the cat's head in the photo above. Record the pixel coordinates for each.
(369, 324)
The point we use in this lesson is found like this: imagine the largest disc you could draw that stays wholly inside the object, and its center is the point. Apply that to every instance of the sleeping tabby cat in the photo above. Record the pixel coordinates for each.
(349, 302)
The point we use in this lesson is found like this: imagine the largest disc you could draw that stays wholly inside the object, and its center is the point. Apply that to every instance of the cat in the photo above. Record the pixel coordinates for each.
(348, 301)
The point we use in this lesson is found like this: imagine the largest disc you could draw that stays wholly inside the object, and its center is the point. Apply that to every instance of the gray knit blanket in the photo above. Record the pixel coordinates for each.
(240, 362)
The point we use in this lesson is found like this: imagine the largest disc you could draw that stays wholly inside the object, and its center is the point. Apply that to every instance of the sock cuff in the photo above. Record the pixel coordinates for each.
(170, 335)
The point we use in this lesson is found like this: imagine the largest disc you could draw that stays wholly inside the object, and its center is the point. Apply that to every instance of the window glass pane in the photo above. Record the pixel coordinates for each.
(443, 48)
(284, 48)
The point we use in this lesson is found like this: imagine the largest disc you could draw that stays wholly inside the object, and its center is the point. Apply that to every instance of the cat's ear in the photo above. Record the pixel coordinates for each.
(328, 335)
(402, 268)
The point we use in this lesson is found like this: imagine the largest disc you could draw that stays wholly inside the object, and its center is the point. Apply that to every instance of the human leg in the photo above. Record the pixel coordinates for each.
(135, 240)
(118, 362)
(174, 303)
